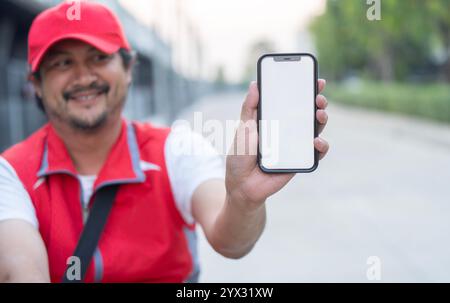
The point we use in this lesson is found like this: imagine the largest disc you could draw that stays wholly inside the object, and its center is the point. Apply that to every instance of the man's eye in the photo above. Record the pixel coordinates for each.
(101, 58)
(61, 63)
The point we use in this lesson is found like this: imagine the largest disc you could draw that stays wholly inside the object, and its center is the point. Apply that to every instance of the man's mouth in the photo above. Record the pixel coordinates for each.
(86, 95)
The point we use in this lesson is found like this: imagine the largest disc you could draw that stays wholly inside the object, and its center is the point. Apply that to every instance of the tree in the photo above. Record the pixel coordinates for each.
(256, 50)
(394, 48)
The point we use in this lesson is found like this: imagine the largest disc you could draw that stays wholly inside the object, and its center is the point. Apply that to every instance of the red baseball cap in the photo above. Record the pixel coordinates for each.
(94, 24)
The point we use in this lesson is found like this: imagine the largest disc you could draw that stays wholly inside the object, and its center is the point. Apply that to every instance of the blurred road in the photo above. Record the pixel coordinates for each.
(382, 191)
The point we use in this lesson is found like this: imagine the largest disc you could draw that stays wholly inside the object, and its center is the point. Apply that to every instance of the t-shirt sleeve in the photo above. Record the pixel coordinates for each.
(191, 160)
(15, 202)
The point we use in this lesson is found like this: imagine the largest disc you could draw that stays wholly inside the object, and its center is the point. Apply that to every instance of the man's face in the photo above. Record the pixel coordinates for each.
(82, 86)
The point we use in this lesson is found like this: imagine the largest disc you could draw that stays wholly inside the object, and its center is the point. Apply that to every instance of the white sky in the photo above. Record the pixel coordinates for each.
(226, 28)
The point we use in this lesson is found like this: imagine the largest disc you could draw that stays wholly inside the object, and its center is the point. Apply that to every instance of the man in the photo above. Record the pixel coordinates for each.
(81, 71)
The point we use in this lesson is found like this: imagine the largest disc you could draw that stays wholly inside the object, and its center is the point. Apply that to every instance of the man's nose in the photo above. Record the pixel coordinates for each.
(84, 75)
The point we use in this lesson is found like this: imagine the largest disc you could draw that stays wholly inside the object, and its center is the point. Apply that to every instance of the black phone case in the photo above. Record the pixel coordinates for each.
(316, 153)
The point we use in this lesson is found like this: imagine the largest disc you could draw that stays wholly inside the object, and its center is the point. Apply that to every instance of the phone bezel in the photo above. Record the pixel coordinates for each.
(316, 76)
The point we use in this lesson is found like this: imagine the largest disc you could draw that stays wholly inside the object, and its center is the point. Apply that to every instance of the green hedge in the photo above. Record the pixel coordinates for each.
(425, 100)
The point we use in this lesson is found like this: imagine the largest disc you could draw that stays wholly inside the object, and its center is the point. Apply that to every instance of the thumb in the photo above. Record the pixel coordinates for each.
(250, 105)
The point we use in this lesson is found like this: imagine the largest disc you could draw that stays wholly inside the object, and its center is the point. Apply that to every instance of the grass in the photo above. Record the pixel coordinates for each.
(430, 101)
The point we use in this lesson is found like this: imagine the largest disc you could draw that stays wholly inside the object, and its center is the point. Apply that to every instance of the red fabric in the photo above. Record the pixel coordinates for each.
(97, 25)
(144, 238)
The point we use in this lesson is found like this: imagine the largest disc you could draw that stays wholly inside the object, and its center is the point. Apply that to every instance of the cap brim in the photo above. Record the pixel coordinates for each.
(103, 45)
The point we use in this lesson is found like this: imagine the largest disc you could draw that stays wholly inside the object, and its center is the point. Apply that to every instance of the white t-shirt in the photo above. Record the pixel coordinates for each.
(186, 170)
(87, 186)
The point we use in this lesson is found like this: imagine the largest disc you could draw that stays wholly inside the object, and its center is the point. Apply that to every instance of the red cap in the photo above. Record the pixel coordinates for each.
(90, 22)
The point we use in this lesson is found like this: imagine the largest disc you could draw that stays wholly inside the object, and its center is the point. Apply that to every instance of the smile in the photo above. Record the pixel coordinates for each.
(86, 97)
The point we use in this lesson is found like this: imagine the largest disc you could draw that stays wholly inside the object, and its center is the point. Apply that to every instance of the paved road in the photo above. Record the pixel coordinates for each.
(382, 191)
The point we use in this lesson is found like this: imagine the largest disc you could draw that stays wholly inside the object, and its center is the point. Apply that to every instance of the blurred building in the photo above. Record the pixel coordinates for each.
(157, 92)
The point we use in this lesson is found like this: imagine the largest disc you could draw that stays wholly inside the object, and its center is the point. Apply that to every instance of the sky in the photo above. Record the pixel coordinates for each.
(226, 29)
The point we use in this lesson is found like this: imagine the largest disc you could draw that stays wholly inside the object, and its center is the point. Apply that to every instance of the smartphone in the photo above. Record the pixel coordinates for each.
(287, 108)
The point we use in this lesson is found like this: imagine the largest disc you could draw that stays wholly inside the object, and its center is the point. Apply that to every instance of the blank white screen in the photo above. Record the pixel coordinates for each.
(287, 99)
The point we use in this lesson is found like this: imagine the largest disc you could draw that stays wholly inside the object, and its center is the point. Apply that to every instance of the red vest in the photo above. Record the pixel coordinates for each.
(145, 238)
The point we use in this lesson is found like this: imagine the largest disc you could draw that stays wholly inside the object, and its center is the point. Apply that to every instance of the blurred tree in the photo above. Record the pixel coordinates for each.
(219, 79)
(256, 50)
(439, 12)
(394, 48)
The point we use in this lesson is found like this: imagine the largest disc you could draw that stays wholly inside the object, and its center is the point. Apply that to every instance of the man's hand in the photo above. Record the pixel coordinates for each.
(246, 184)
(233, 214)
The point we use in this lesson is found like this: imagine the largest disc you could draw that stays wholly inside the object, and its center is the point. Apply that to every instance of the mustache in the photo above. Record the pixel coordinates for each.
(100, 88)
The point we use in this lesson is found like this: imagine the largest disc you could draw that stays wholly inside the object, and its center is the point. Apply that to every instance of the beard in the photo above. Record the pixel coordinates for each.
(87, 125)
(89, 122)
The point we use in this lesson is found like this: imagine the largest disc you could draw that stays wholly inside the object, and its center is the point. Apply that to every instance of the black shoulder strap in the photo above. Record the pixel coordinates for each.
(93, 228)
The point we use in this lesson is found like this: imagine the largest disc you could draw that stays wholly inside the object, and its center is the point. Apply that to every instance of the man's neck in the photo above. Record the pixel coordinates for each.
(89, 150)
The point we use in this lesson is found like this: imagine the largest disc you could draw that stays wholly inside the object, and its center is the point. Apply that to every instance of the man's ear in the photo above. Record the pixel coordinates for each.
(131, 68)
(36, 84)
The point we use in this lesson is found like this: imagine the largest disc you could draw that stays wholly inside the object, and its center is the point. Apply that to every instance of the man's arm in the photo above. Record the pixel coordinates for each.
(23, 257)
(231, 231)
(232, 213)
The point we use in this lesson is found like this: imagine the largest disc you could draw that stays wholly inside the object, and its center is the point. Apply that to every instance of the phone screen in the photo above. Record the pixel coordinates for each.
(287, 112)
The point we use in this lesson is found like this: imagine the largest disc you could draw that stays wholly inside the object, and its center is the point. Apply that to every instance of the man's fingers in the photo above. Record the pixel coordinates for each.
(322, 147)
(322, 83)
(321, 102)
(250, 104)
(322, 118)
